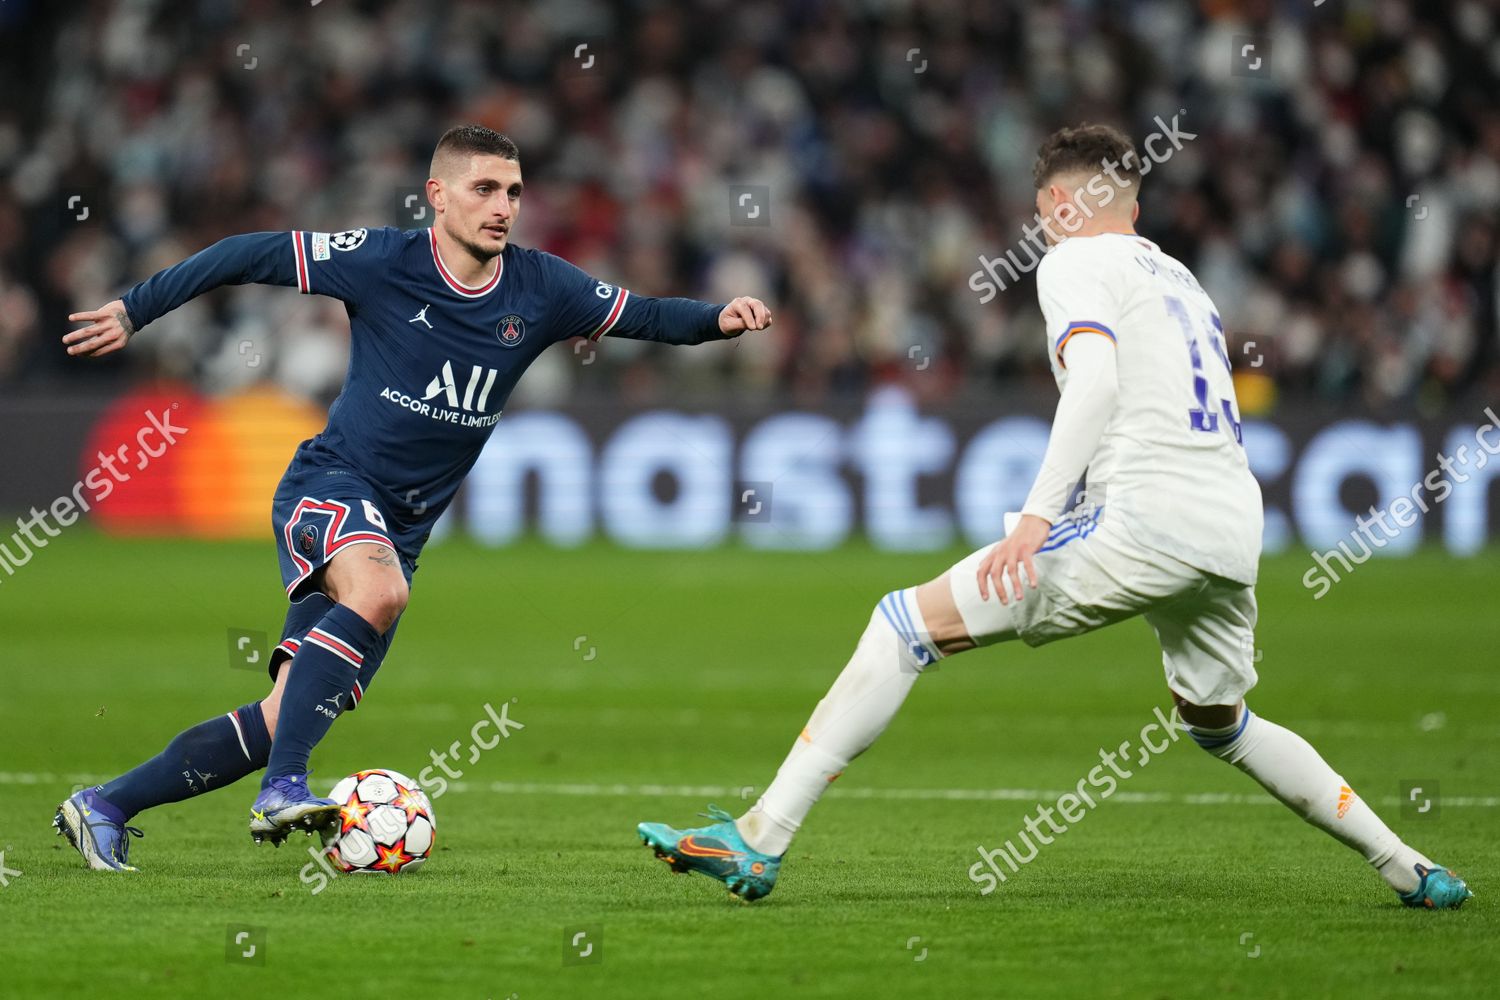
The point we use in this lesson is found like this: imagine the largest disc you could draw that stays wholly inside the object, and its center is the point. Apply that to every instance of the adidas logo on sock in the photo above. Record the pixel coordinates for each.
(1346, 799)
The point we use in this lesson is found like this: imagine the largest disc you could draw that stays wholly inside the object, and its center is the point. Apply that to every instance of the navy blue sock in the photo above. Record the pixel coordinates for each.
(210, 755)
(322, 680)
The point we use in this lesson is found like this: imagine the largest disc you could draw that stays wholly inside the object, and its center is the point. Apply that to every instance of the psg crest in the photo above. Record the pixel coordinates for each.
(308, 538)
(510, 330)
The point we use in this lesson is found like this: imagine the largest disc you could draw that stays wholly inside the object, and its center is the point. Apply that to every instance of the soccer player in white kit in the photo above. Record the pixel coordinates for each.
(1170, 530)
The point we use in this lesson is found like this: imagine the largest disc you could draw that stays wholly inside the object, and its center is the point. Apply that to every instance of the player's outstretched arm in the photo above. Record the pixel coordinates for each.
(683, 321)
(109, 329)
(584, 306)
(251, 258)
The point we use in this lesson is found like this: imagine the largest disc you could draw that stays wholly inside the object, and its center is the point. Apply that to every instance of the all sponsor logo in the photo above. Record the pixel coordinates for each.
(444, 385)
(458, 396)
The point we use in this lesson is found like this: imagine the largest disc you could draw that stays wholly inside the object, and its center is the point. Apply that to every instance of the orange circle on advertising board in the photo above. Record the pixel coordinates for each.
(166, 460)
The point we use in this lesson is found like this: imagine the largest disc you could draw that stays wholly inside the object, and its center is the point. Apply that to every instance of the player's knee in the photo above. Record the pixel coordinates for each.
(379, 602)
(367, 579)
(922, 630)
(1206, 716)
(1221, 730)
(896, 636)
(941, 615)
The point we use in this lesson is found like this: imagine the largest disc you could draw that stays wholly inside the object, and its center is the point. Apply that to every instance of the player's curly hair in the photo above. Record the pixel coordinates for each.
(468, 139)
(1086, 148)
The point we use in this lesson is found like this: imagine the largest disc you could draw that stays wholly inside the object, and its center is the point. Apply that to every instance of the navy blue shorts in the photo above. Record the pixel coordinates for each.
(313, 527)
(315, 517)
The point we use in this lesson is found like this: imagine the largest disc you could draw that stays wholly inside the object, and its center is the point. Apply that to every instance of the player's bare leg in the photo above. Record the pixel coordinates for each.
(270, 705)
(908, 631)
(369, 590)
(1289, 768)
(367, 579)
(944, 624)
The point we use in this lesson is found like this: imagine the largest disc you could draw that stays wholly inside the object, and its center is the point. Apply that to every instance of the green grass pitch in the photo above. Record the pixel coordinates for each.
(699, 669)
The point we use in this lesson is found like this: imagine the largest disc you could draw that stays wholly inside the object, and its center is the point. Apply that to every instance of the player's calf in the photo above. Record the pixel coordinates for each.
(211, 755)
(908, 632)
(323, 682)
(896, 648)
(1289, 768)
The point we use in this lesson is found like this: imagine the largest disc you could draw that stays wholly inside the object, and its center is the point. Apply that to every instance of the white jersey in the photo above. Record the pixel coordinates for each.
(1170, 464)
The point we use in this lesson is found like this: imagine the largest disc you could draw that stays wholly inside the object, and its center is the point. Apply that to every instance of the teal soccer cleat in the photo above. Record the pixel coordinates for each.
(286, 806)
(717, 851)
(1440, 889)
(103, 842)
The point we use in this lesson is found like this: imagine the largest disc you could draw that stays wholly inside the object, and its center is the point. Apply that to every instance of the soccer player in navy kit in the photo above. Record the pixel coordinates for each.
(443, 321)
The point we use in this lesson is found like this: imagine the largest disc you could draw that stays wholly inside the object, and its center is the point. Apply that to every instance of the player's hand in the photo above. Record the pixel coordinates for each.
(744, 313)
(109, 328)
(1009, 556)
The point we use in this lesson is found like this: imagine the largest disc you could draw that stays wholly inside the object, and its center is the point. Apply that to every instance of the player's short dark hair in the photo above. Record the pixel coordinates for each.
(470, 139)
(1086, 148)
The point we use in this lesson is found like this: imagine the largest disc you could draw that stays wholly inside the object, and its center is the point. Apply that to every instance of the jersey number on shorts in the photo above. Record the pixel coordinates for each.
(373, 516)
(1203, 416)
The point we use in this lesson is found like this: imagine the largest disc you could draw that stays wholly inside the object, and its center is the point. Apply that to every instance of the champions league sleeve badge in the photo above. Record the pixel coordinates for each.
(349, 239)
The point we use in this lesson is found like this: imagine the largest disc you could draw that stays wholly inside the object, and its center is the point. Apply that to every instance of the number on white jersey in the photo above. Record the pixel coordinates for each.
(1203, 416)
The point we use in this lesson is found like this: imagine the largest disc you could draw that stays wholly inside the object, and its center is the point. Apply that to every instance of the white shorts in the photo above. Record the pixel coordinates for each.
(1094, 573)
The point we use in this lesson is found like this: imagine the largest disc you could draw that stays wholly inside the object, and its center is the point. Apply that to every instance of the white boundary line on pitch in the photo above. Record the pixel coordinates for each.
(921, 794)
(621, 791)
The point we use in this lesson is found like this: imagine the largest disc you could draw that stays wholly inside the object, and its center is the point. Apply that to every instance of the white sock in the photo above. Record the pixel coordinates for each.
(1291, 770)
(891, 654)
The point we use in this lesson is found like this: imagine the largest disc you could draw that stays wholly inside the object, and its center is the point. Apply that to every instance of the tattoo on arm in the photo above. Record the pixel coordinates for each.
(124, 320)
(383, 555)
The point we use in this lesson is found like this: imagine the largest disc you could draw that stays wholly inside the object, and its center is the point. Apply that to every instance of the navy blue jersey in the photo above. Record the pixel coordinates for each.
(431, 361)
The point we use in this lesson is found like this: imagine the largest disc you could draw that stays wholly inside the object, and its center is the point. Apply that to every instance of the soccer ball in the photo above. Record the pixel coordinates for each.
(386, 824)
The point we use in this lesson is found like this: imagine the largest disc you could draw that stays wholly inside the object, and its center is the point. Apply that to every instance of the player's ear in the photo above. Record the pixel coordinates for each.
(1135, 212)
(436, 196)
(1063, 210)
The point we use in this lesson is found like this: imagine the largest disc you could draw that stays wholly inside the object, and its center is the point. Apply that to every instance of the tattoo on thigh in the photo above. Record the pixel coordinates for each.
(383, 555)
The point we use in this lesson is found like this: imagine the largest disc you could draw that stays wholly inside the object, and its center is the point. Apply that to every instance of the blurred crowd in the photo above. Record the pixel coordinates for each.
(1339, 198)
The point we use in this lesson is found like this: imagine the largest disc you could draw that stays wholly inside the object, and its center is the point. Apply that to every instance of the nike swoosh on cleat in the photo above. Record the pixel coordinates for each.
(690, 847)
